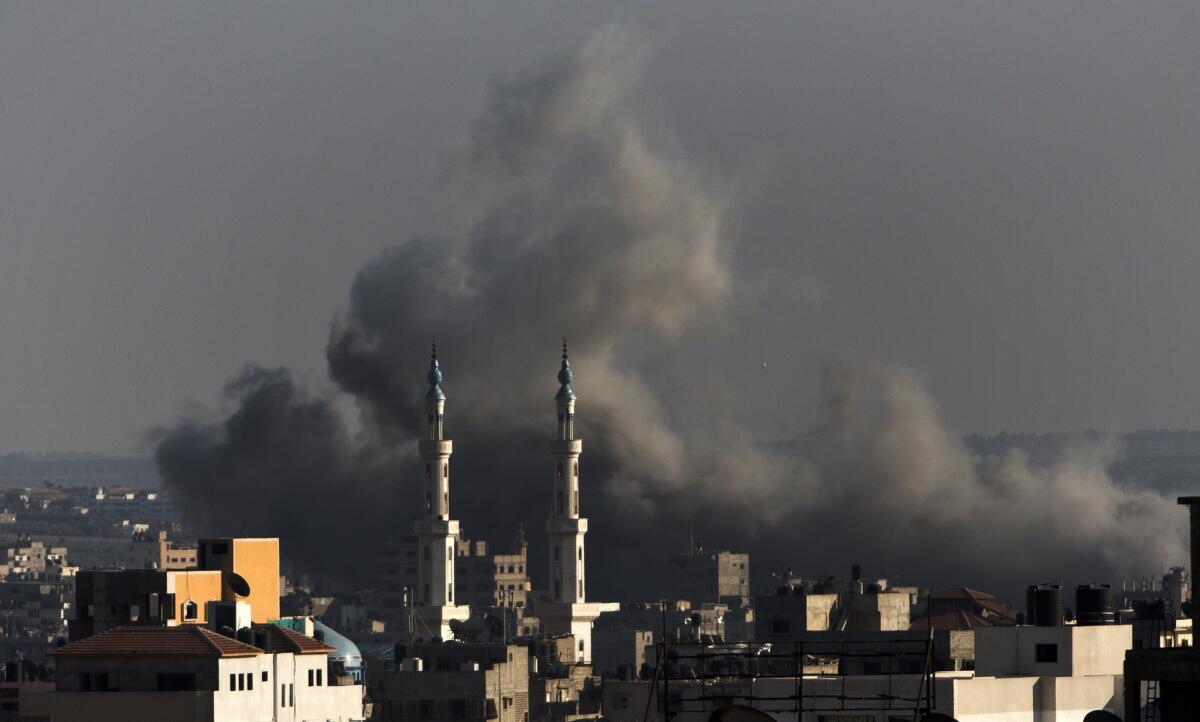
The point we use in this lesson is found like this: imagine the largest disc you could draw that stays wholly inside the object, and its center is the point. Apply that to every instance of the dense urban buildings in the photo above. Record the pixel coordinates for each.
(461, 629)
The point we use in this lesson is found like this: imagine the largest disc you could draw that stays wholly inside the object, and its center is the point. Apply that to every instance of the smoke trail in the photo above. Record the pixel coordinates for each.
(594, 228)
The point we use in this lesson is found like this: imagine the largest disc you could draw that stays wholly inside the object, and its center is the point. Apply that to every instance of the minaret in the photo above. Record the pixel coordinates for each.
(565, 527)
(561, 607)
(437, 534)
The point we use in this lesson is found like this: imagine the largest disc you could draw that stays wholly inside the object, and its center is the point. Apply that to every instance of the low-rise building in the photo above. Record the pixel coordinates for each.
(714, 577)
(451, 680)
(192, 674)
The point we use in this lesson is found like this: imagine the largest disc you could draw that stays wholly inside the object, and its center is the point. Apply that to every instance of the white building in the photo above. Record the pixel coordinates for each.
(191, 674)
(437, 534)
(1023, 674)
(563, 607)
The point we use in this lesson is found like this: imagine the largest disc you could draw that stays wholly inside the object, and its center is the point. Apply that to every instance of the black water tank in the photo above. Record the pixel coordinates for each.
(1094, 604)
(1044, 605)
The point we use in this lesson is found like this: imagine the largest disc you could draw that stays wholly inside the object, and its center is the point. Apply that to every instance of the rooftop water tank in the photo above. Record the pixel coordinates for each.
(1094, 604)
(1044, 605)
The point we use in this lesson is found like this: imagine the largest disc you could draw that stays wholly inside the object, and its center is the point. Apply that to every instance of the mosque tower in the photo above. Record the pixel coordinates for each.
(564, 608)
(437, 534)
(565, 527)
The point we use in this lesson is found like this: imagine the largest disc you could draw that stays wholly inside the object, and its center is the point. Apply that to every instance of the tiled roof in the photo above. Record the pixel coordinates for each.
(187, 640)
(961, 593)
(954, 619)
(281, 639)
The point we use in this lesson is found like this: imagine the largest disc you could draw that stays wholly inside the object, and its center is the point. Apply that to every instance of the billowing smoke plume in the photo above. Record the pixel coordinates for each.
(586, 225)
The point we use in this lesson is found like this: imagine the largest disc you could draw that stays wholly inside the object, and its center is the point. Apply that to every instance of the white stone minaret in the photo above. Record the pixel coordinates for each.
(565, 527)
(437, 534)
(563, 607)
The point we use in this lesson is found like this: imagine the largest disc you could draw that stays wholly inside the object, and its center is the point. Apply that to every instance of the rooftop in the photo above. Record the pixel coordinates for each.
(281, 639)
(187, 640)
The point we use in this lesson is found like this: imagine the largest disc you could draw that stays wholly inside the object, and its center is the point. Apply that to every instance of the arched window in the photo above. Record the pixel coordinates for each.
(191, 611)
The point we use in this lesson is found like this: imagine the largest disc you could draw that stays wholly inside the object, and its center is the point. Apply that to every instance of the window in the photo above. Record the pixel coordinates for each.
(558, 470)
(425, 553)
(233, 683)
(191, 611)
(576, 469)
(291, 695)
(581, 592)
(555, 552)
(557, 594)
(241, 680)
(581, 646)
(1045, 653)
(428, 596)
(319, 671)
(560, 502)
(310, 677)
(446, 471)
(283, 695)
(264, 676)
(449, 554)
(428, 502)
(428, 472)
(250, 681)
(781, 626)
(450, 593)
(580, 553)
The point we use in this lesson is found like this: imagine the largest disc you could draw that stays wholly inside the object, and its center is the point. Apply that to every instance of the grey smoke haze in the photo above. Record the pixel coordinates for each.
(586, 218)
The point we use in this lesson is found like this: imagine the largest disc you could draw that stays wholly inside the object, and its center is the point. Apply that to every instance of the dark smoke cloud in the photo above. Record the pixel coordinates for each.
(585, 224)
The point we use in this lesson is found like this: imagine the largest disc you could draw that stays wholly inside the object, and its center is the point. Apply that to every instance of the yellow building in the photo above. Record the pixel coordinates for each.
(255, 560)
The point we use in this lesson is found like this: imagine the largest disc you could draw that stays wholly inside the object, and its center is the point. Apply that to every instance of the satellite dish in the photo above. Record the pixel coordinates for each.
(1101, 715)
(937, 717)
(239, 585)
(459, 629)
(739, 713)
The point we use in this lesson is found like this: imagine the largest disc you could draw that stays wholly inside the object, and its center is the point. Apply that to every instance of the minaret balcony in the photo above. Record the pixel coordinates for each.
(566, 447)
(566, 525)
(434, 448)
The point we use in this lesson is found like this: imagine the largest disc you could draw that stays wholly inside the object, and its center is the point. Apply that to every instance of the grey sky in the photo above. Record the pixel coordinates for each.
(1001, 196)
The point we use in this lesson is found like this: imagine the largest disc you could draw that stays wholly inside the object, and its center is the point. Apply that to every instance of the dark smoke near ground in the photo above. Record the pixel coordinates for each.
(587, 225)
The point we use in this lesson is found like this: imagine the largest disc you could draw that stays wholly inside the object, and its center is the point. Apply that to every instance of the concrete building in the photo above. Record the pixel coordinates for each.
(1164, 684)
(108, 599)
(493, 580)
(30, 559)
(170, 597)
(712, 576)
(619, 651)
(118, 505)
(153, 550)
(792, 610)
(191, 674)
(1022, 683)
(256, 560)
(456, 681)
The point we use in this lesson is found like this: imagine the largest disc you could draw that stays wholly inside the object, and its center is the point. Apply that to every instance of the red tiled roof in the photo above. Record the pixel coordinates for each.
(961, 593)
(954, 619)
(188, 640)
(282, 639)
